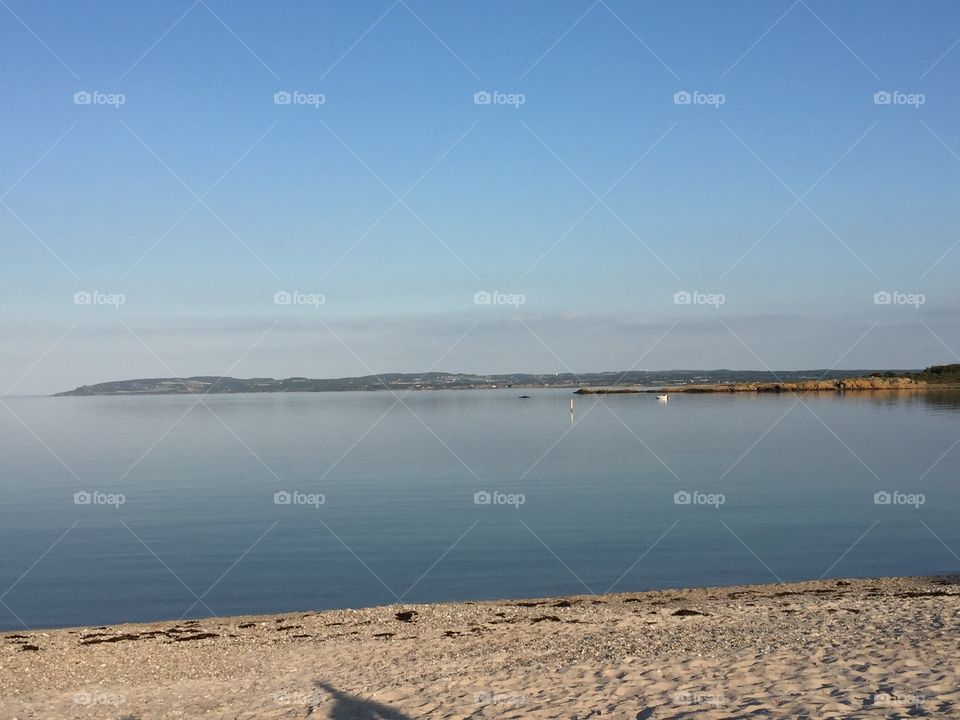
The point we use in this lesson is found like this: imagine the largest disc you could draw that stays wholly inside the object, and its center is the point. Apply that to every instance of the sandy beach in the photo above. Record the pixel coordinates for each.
(824, 649)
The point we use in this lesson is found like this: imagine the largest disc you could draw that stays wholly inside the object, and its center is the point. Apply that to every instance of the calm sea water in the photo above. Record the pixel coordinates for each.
(777, 490)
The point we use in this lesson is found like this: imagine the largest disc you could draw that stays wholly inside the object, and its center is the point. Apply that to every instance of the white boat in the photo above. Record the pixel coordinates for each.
(662, 398)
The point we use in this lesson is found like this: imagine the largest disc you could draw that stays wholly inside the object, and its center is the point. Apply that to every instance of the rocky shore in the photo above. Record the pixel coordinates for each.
(839, 385)
(844, 385)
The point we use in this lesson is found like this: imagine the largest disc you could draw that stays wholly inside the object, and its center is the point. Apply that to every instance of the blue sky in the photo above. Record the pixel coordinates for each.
(793, 195)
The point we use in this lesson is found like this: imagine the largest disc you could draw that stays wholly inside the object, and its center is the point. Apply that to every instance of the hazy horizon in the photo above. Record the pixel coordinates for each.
(295, 351)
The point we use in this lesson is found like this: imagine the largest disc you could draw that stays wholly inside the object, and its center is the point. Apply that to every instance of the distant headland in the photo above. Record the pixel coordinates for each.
(934, 377)
(597, 382)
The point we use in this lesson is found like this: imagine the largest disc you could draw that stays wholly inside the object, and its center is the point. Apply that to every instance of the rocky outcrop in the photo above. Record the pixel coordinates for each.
(843, 385)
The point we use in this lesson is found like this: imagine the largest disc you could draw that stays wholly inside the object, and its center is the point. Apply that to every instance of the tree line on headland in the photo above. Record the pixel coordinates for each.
(629, 381)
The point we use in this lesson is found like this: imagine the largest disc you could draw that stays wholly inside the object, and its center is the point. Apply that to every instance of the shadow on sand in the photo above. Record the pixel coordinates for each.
(350, 707)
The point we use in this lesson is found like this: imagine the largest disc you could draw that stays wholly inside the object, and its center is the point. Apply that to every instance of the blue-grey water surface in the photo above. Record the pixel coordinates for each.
(199, 531)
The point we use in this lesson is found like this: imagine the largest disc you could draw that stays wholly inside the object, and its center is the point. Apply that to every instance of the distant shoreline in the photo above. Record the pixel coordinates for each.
(201, 384)
(943, 377)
